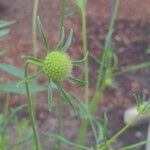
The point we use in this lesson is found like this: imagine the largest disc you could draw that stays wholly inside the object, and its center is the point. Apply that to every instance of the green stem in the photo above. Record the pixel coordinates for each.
(63, 2)
(106, 60)
(119, 133)
(114, 14)
(84, 122)
(31, 109)
(59, 120)
(6, 107)
(34, 26)
(100, 86)
(85, 50)
(6, 111)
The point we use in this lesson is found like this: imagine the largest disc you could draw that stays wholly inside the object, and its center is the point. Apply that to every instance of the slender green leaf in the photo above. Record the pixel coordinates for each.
(12, 70)
(11, 87)
(77, 81)
(65, 141)
(133, 68)
(80, 61)
(68, 42)
(23, 141)
(34, 60)
(4, 32)
(4, 23)
(95, 58)
(81, 108)
(133, 146)
(30, 78)
(16, 110)
(50, 94)
(12, 115)
(43, 34)
(115, 61)
(108, 40)
(105, 130)
(61, 39)
(65, 95)
(100, 132)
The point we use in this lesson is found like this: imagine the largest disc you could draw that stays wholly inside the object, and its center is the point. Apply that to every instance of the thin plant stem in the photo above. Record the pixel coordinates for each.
(132, 68)
(63, 2)
(6, 107)
(85, 50)
(6, 111)
(34, 26)
(31, 110)
(119, 133)
(82, 132)
(84, 122)
(59, 121)
(106, 60)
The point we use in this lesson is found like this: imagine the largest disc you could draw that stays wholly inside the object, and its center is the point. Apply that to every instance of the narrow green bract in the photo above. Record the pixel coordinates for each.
(57, 65)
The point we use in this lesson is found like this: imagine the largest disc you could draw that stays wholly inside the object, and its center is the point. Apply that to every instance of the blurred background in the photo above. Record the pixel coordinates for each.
(131, 43)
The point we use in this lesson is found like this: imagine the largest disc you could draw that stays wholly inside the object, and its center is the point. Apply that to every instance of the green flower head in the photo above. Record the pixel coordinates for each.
(57, 65)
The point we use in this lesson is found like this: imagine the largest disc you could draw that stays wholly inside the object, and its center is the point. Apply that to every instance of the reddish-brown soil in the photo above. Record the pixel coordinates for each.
(131, 40)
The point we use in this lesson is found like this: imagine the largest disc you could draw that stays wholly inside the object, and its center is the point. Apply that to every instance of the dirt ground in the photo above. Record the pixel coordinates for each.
(130, 40)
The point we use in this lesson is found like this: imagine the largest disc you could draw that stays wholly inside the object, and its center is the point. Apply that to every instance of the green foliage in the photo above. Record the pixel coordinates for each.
(12, 70)
(43, 35)
(11, 86)
(57, 67)
(22, 129)
(81, 4)
(4, 30)
(65, 141)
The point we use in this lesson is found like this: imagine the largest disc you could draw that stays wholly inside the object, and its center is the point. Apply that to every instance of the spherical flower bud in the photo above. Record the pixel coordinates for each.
(57, 65)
